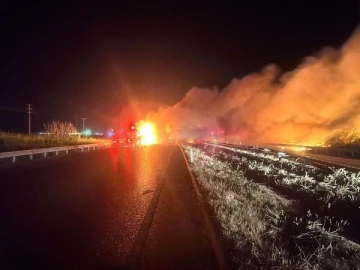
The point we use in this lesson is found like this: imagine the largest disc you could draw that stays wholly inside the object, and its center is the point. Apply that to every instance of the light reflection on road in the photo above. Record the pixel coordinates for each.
(138, 168)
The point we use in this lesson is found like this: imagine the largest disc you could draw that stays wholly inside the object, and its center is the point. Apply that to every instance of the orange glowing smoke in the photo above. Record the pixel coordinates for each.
(147, 133)
(303, 106)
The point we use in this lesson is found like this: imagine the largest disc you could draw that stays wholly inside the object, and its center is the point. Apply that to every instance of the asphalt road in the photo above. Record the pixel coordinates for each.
(350, 162)
(340, 161)
(105, 209)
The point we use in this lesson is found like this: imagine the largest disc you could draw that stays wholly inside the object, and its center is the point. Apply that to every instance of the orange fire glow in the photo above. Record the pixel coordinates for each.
(147, 133)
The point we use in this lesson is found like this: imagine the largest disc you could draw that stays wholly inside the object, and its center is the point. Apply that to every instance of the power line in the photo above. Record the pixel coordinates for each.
(16, 110)
(29, 111)
(12, 109)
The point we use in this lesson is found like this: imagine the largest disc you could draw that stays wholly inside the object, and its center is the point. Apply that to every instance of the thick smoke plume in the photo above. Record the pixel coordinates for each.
(319, 97)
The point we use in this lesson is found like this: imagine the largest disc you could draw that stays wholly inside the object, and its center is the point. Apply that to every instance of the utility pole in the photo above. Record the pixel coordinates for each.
(83, 119)
(76, 117)
(29, 111)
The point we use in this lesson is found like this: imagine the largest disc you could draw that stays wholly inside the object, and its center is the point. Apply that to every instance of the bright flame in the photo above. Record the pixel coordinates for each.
(147, 133)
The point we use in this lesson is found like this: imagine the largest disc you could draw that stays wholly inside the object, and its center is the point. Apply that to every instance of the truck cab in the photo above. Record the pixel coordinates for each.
(125, 137)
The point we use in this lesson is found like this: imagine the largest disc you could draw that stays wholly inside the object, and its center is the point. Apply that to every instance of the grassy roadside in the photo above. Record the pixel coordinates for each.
(267, 229)
(16, 141)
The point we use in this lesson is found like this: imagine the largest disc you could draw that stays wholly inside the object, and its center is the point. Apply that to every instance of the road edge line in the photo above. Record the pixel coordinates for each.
(220, 259)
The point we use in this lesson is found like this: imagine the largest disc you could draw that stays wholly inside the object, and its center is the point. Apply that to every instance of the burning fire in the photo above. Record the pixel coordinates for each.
(305, 106)
(147, 133)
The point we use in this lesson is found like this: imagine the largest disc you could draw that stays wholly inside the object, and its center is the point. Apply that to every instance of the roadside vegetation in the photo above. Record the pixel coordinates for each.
(57, 134)
(344, 138)
(280, 213)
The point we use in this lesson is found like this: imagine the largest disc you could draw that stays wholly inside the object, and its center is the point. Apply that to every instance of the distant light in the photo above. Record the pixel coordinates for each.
(110, 133)
(87, 132)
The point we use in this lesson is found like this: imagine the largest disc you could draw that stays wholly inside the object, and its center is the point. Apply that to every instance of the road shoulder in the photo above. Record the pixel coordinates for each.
(177, 238)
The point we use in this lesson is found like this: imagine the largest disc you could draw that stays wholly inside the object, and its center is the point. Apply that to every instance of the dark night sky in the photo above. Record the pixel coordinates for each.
(93, 59)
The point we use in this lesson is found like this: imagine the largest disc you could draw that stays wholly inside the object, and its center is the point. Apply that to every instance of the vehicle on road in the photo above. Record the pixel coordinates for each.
(126, 137)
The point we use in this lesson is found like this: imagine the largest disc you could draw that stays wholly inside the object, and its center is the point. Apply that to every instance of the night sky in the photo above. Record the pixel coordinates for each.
(110, 61)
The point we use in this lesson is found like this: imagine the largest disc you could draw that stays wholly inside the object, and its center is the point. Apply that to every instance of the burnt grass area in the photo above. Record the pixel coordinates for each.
(334, 213)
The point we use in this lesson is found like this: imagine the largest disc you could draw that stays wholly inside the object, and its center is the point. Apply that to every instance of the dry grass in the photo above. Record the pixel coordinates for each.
(242, 208)
(16, 141)
(340, 185)
(264, 227)
(344, 138)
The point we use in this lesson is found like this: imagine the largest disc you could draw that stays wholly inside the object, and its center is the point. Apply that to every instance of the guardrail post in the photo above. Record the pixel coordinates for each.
(82, 149)
(66, 151)
(13, 159)
(56, 152)
(31, 157)
(45, 154)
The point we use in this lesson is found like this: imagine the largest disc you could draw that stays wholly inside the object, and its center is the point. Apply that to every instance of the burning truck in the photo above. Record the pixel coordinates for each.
(137, 134)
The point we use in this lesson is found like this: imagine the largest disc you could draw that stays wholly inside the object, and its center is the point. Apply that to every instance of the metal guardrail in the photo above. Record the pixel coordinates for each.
(335, 150)
(14, 154)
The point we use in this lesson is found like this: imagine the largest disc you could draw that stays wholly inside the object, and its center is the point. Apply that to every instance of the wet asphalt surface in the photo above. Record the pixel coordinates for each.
(129, 208)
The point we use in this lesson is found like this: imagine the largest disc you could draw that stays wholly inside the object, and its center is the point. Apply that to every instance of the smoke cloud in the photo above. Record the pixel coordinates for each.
(321, 96)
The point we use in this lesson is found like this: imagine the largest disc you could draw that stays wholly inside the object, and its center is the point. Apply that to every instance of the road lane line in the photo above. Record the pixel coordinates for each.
(215, 243)
(136, 250)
